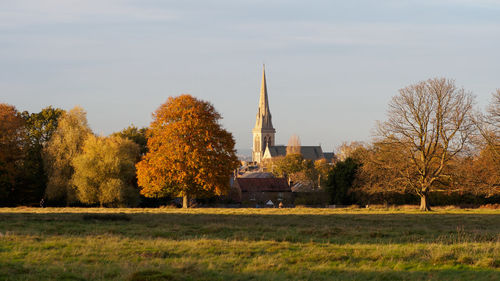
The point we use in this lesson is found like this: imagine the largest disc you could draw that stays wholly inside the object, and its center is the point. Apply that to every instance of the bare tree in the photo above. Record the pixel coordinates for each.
(493, 119)
(494, 110)
(293, 146)
(488, 125)
(430, 120)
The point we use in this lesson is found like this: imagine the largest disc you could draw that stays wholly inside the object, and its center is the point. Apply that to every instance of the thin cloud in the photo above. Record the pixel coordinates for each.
(473, 3)
(371, 34)
(25, 13)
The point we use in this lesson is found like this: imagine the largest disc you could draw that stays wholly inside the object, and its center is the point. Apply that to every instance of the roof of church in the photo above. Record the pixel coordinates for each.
(308, 152)
(277, 150)
(263, 120)
(263, 184)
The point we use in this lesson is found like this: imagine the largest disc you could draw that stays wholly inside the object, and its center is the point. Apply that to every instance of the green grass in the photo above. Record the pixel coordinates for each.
(248, 244)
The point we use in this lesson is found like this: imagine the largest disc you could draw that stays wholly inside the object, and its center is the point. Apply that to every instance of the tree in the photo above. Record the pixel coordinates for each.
(293, 146)
(12, 139)
(190, 154)
(483, 171)
(382, 165)
(297, 169)
(136, 135)
(65, 144)
(493, 119)
(491, 152)
(430, 122)
(494, 110)
(353, 150)
(285, 166)
(39, 129)
(478, 174)
(322, 168)
(340, 181)
(40, 126)
(105, 171)
(488, 125)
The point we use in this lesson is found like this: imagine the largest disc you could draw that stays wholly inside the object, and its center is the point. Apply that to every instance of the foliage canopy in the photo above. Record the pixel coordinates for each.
(105, 171)
(190, 154)
(12, 141)
(65, 144)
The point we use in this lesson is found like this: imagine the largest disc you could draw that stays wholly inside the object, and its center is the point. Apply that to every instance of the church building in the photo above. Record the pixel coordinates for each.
(264, 134)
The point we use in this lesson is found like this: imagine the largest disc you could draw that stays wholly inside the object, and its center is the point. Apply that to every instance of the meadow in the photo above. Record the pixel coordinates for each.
(249, 244)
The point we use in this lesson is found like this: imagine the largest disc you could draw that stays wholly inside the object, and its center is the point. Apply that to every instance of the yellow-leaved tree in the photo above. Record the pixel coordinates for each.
(65, 144)
(190, 154)
(105, 171)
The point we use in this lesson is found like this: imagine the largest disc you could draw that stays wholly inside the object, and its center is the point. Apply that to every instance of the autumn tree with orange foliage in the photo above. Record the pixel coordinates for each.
(12, 139)
(190, 154)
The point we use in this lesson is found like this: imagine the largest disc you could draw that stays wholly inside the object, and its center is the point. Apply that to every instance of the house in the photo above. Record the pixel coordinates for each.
(258, 191)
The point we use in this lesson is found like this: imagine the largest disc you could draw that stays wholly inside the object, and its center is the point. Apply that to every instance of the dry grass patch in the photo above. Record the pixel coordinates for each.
(248, 244)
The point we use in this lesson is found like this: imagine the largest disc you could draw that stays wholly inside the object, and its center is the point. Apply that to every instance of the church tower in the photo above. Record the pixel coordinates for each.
(263, 132)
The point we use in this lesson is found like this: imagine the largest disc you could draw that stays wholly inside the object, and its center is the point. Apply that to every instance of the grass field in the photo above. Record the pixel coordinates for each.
(248, 244)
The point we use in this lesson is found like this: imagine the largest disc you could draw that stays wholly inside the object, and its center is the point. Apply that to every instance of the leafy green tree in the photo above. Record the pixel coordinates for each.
(286, 166)
(297, 169)
(42, 125)
(340, 181)
(12, 140)
(105, 172)
(136, 135)
(39, 128)
(322, 168)
(190, 154)
(65, 144)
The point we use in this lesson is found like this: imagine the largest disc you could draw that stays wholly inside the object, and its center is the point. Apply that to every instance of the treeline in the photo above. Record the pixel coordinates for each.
(53, 155)
(433, 148)
(53, 158)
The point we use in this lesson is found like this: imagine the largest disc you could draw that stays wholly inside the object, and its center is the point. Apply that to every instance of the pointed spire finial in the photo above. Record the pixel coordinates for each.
(264, 114)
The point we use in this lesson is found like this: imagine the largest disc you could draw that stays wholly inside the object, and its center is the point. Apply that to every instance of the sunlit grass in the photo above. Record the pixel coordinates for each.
(248, 244)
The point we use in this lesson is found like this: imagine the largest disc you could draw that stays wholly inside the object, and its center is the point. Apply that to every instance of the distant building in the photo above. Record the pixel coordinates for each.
(308, 152)
(264, 134)
(258, 191)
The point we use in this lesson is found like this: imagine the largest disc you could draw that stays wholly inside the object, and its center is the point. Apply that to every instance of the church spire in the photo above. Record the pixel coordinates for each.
(263, 104)
(264, 114)
(263, 132)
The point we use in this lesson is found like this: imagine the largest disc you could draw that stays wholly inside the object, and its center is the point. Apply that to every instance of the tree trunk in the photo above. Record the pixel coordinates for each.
(424, 202)
(185, 201)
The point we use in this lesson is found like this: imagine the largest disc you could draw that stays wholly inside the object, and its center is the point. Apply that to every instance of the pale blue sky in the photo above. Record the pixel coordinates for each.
(332, 66)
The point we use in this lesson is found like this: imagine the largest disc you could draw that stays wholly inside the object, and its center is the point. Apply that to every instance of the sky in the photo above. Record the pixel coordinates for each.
(331, 66)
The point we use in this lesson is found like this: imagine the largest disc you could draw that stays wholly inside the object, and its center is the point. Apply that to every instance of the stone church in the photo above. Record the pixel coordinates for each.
(264, 134)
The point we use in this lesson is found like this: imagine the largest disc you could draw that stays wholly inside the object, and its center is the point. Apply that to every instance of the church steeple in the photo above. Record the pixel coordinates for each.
(263, 132)
(263, 119)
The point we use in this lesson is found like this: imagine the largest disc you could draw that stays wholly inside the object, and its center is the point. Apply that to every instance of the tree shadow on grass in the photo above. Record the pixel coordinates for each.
(200, 272)
(149, 275)
(329, 228)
